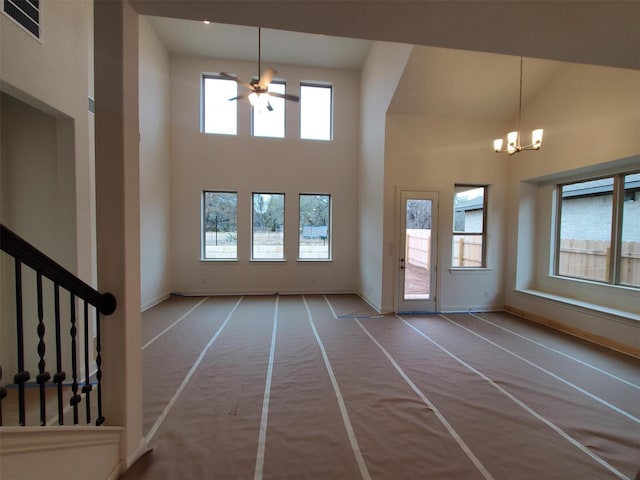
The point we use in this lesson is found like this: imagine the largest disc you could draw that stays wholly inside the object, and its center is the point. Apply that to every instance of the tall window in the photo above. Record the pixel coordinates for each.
(314, 227)
(270, 122)
(220, 221)
(315, 112)
(267, 242)
(469, 226)
(598, 230)
(219, 115)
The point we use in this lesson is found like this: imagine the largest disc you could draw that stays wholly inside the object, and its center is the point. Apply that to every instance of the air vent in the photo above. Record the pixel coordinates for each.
(26, 13)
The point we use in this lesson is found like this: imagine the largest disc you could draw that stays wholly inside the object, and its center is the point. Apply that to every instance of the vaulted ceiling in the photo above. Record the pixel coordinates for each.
(466, 63)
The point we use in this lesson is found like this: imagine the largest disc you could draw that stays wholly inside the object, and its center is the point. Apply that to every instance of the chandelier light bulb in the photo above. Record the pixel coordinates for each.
(497, 144)
(536, 138)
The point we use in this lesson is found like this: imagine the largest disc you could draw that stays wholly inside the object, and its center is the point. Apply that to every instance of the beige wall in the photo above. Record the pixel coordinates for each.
(45, 161)
(380, 75)
(155, 188)
(246, 164)
(591, 117)
(433, 154)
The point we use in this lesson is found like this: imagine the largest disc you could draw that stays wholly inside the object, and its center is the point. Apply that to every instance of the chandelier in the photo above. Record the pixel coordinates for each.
(513, 138)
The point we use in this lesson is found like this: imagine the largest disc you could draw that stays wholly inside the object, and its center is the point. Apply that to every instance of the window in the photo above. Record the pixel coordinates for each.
(270, 123)
(267, 242)
(219, 115)
(220, 221)
(594, 242)
(315, 112)
(469, 226)
(314, 239)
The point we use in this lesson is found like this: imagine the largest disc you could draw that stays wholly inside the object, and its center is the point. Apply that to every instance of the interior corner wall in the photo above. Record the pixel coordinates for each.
(591, 117)
(246, 164)
(380, 76)
(155, 187)
(433, 153)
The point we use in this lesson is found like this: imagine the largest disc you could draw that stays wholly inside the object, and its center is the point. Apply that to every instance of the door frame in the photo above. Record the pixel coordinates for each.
(398, 254)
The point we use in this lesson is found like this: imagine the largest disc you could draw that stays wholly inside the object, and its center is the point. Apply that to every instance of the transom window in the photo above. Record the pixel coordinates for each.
(598, 230)
(314, 240)
(219, 115)
(270, 122)
(316, 112)
(469, 226)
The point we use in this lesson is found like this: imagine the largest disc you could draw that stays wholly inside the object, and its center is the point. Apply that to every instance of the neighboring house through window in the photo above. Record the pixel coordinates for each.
(469, 226)
(598, 230)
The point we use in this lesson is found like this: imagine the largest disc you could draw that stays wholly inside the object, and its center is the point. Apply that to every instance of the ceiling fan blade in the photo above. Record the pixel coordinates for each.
(239, 97)
(266, 77)
(228, 76)
(269, 107)
(286, 96)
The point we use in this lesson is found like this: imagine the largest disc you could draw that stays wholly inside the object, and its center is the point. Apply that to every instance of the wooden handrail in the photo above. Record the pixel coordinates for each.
(20, 249)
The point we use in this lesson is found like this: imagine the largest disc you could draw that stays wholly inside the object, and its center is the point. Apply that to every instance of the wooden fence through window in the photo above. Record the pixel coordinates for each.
(590, 259)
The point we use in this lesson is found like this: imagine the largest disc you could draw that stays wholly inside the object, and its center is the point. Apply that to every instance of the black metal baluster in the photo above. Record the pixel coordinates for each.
(59, 377)
(100, 419)
(75, 398)
(86, 389)
(43, 376)
(22, 376)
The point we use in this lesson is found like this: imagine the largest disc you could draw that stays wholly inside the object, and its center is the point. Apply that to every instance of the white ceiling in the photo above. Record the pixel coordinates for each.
(237, 42)
(436, 81)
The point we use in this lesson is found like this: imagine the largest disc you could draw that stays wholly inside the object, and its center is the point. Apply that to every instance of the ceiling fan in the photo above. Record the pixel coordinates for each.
(258, 89)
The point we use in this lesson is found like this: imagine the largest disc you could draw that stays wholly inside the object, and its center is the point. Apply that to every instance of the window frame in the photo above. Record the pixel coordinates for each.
(329, 237)
(284, 239)
(214, 76)
(203, 236)
(614, 257)
(483, 234)
(331, 109)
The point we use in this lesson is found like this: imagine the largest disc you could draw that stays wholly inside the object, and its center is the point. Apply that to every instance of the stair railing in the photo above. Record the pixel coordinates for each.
(79, 293)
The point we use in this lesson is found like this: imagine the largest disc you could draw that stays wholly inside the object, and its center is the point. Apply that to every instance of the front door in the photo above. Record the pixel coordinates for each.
(417, 254)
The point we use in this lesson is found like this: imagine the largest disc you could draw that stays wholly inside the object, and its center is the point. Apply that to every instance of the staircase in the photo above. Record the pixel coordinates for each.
(51, 413)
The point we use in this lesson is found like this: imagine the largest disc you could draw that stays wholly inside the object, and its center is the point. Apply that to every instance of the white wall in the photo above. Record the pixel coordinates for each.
(380, 76)
(245, 164)
(591, 117)
(155, 188)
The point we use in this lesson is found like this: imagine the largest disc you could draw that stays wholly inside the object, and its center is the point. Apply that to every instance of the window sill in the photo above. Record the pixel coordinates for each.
(214, 260)
(470, 270)
(580, 304)
(312, 260)
(268, 260)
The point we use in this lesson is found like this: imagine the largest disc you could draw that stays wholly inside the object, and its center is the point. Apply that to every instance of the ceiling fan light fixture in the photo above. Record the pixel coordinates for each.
(259, 101)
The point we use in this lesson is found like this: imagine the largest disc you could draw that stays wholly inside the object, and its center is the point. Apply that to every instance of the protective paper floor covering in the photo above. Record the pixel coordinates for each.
(315, 387)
